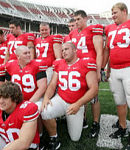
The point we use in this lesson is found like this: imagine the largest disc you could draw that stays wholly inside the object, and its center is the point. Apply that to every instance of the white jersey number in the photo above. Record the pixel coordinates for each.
(125, 37)
(81, 44)
(9, 134)
(70, 82)
(45, 46)
(27, 81)
(14, 44)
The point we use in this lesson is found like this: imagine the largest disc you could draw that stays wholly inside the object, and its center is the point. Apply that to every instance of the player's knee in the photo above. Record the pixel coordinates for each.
(118, 100)
(47, 114)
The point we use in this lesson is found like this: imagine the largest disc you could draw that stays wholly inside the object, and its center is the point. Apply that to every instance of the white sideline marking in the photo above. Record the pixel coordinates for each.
(106, 122)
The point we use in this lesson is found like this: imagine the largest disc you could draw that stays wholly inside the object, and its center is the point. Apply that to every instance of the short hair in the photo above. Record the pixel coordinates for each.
(121, 6)
(19, 49)
(71, 44)
(71, 20)
(1, 32)
(15, 22)
(80, 12)
(11, 90)
(44, 24)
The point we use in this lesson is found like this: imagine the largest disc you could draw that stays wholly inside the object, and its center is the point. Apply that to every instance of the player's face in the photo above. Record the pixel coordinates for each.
(13, 29)
(67, 52)
(7, 105)
(80, 22)
(25, 56)
(72, 26)
(117, 15)
(45, 31)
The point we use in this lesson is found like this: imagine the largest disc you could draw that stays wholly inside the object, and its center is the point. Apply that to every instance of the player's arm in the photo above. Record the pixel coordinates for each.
(6, 56)
(106, 55)
(30, 45)
(26, 136)
(92, 83)
(57, 50)
(50, 91)
(98, 44)
(42, 85)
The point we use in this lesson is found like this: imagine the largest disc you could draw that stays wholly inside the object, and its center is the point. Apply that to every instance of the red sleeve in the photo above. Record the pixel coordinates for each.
(57, 39)
(56, 64)
(30, 111)
(42, 65)
(97, 29)
(2, 70)
(30, 37)
(89, 64)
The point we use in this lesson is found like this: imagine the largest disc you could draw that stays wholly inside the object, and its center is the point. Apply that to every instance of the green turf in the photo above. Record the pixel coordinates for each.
(107, 107)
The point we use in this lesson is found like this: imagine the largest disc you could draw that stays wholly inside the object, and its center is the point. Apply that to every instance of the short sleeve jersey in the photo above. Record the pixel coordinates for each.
(119, 44)
(84, 40)
(26, 78)
(72, 78)
(44, 48)
(24, 112)
(14, 42)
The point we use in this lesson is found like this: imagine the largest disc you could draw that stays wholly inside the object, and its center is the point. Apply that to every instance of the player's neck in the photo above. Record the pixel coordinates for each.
(72, 61)
(19, 33)
(22, 65)
(81, 29)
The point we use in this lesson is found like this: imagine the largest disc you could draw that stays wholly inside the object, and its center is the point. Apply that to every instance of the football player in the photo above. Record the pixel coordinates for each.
(18, 120)
(89, 43)
(77, 85)
(18, 38)
(118, 51)
(3, 47)
(29, 74)
(71, 26)
(48, 47)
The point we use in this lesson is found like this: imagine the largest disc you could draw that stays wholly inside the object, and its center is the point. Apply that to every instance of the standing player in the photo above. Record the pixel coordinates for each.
(18, 38)
(3, 47)
(118, 51)
(71, 26)
(77, 85)
(29, 74)
(48, 47)
(18, 120)
(89, 43)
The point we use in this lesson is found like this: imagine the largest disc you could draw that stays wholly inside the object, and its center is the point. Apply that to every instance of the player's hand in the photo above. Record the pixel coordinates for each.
(98, 76)
(73, 109)
(45, 102)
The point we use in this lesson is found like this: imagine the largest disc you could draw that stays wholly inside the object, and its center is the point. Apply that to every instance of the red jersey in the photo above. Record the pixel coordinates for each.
(24, 112)
(14, 42)
(72, 78)
(44, 48)
(3, 50)
(27, 77)
(66, 39)
(84, 40)
(119, 44)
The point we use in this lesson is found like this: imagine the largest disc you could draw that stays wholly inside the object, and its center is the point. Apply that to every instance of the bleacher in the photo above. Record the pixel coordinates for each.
(36, 12)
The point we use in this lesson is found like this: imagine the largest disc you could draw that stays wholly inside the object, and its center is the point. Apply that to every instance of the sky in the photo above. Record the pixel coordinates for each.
(90, 6)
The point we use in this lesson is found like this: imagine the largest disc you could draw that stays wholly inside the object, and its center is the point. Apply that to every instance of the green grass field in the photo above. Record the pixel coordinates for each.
(107, 107)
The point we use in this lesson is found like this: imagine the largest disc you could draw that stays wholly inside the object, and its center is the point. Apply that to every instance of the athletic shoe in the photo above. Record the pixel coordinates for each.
(119, 133)
(85, 124)
(116, 125)
(127, 147)
(54, 143)
(94, 131)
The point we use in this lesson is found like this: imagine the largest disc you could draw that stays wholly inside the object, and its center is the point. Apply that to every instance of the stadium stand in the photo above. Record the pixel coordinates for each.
(31, 14)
